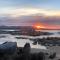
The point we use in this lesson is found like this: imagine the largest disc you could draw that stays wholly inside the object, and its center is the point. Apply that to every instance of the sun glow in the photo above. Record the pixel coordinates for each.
(38, 26)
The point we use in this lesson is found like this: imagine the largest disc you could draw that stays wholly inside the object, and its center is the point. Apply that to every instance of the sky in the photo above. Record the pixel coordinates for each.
(29, 12)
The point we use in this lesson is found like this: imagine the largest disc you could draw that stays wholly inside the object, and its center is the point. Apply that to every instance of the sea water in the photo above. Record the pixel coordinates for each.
(22, 42)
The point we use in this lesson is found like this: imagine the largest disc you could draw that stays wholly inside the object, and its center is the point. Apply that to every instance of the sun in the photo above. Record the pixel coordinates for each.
(38, 26)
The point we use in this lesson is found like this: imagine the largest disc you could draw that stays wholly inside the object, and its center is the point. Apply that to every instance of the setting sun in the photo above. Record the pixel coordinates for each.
(38, 26)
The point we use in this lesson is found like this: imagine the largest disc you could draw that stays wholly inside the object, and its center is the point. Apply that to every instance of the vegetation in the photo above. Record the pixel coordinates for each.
(25, 54)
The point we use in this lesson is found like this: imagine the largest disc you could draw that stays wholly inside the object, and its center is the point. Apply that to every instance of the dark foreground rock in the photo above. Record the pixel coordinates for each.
(8, 47)
(24, 53)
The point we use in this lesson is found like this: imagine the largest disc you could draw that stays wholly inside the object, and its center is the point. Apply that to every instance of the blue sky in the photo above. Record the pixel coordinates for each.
(47, 4)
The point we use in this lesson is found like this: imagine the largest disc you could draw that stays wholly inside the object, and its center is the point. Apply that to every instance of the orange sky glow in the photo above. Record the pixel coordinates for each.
(39, 26)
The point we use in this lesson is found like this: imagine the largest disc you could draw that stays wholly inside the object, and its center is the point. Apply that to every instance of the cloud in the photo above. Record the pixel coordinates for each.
(16, 12)
(29, 16)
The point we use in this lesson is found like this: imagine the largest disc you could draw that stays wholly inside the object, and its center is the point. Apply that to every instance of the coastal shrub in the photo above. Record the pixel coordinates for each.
(34, 56)
(41, 56)
(52, 56)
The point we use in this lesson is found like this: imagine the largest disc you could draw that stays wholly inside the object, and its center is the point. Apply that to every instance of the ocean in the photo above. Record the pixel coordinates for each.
(21, 42)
